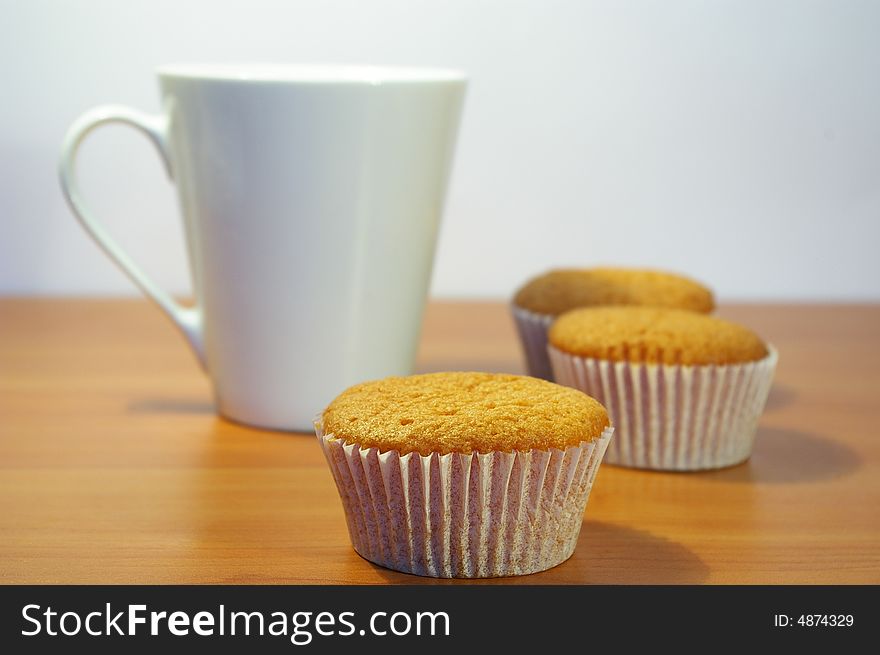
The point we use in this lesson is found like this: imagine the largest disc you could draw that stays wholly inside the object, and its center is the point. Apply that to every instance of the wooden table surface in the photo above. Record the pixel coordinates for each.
(114, 468)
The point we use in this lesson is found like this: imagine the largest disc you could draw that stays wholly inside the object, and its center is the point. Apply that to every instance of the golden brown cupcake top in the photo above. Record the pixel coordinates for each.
(562, 290)
(654, 335)
(463, 413)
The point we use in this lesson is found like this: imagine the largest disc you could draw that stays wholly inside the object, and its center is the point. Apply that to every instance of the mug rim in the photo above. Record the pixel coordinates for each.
(310, 73)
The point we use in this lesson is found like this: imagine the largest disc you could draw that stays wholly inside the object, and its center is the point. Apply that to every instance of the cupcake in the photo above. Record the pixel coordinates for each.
(684, 390)
(464, 475)
(537, 304)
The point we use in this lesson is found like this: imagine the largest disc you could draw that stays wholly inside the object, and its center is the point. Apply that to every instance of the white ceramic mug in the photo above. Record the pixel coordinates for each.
(311, 197)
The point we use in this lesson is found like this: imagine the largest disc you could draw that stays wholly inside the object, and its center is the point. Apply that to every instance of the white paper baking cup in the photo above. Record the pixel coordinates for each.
(533, 330)
(669, 417)
(464, 516)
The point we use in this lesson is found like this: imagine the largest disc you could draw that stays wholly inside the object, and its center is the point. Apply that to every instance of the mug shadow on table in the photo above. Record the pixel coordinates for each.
(160, 405)
(784, 455)
(494, 365)
(606, 554)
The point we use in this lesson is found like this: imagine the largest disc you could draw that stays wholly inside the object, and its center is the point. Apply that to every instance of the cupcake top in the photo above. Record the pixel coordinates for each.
(654, 335)
(463, 413)
(562, 290)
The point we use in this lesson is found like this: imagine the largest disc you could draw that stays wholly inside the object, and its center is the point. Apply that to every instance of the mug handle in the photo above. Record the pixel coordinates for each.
(187, 319)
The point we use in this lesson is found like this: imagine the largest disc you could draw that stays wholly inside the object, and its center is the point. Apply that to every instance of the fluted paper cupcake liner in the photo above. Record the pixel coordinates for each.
(464, 516)
(672, 417)
(533, 330)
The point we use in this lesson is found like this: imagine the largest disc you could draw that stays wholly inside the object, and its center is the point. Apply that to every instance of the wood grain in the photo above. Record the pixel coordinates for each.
(113, 467)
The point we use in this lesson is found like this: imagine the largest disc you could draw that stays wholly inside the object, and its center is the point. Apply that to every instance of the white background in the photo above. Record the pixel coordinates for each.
(735, 141)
